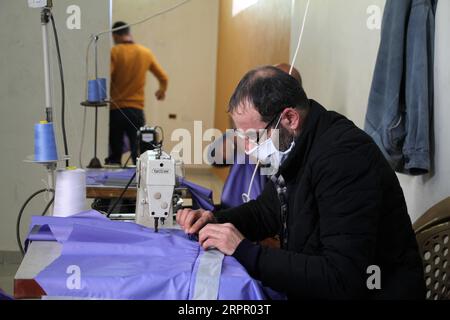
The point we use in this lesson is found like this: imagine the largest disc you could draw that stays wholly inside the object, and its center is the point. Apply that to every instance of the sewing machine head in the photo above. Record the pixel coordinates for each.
(156, 197)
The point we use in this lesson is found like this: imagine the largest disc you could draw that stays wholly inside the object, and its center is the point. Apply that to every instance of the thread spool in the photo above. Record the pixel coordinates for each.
(70, 192)
(44, 142)
(93, 91)
(102, 88)
(97, 90)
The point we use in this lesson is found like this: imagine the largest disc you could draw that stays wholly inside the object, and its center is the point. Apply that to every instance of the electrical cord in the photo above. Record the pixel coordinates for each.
(126, 162)
(63, 90)
(19, 218)
(145, 19)
(83, 132)
(48, 206)
(121, 196)
(246, 197)
(294, 59)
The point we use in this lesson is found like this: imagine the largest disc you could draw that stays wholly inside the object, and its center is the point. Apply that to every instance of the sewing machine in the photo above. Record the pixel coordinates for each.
(157, 200)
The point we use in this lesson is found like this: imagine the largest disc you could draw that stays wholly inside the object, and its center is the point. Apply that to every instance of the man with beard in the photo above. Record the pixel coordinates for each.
(333, 199)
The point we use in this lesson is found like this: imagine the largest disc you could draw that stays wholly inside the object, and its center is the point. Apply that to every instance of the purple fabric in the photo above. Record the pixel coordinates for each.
(238, 183)
(119, 260)
(4, 296)
(59, 229)
(201, 197)
(108, 177)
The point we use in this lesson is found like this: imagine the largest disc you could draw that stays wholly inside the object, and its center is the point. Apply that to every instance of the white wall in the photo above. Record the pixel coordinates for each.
(185, 43)
(22, 99)
(337, 60)
(338, 53)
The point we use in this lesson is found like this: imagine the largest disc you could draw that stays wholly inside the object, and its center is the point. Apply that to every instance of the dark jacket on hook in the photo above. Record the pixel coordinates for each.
(400, 111)
(344, 212)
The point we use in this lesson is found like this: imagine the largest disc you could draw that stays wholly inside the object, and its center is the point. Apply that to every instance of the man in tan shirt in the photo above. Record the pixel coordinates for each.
(130, 63)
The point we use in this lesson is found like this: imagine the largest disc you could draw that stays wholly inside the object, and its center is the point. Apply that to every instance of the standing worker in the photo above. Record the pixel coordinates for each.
(129, 65)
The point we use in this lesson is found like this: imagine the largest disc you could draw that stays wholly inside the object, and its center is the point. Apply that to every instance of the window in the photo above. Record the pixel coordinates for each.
(241, 5)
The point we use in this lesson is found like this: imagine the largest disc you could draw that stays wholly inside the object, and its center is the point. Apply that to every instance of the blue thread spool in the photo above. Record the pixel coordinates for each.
(44, 142)
(93, 91)
(102, 89)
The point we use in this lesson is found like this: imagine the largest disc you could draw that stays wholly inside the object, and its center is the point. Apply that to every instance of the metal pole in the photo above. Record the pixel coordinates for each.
(51, 168)
(96, 130)
(96, 108)
(45, 15)
(96, 56)
(95, 162)
(45, 19)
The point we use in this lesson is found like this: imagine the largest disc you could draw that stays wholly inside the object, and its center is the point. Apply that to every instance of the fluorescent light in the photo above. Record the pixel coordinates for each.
(241, 5)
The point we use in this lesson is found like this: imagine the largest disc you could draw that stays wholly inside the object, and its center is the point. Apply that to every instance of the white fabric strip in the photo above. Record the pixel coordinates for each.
(207, 280)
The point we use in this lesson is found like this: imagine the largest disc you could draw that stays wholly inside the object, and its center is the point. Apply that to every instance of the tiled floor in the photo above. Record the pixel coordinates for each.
(199, 176)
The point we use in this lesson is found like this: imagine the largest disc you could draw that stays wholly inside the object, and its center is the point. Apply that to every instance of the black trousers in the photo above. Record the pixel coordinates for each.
(124, 121)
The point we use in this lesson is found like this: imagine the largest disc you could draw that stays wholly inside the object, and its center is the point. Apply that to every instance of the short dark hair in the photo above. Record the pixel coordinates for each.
(270, 90)
(122, 32)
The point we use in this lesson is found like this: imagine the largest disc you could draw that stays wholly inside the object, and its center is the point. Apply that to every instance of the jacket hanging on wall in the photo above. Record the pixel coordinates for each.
(400, 110)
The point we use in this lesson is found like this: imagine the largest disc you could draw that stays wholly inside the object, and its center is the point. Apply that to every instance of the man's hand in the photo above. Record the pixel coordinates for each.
(224, 237)
(160, 95)
(192, 221)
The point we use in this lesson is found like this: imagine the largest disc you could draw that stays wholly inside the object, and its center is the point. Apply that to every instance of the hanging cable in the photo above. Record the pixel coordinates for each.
(110, 211)
(128, 161)
(63, 90)
(246, 197)
(300, 38)
(145, 19)
(83, 131)
(19, 217)
(49, 204)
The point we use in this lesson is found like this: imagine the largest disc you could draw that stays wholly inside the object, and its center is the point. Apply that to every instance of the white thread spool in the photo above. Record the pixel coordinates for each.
(70, 192)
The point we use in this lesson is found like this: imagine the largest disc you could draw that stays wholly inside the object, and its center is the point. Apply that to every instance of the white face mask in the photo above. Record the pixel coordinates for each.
(278, 157)
(267, 153)
(263, 151)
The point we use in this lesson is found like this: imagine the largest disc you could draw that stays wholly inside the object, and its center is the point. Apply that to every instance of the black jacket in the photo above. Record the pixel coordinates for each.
(345, 212)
